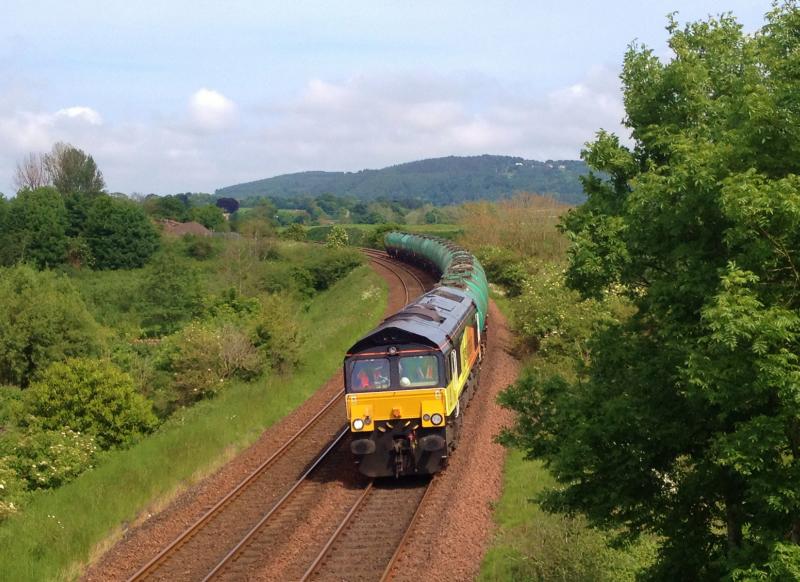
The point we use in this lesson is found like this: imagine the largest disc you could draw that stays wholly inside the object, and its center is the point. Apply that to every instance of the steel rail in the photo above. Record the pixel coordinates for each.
(230, 556)
(404, 540)
(164, 554)
(345, 522)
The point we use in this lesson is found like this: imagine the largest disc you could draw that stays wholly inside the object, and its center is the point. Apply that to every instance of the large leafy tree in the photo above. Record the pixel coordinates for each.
(42, 320)
(686, 423)
(119, 234)
(34, 228)
(73, 171)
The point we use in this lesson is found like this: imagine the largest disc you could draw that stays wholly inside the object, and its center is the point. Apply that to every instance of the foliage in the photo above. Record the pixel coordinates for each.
(209, 216)
(42, 320)
(294, 232)
(35, 229)
(202, 356)
(171, 294)
(526, 225)
(321, 270)
(11, 490)
(49, 458)
(200, 247)
(685, 421)
(119, 234)
(90, 396)
(277, 333)
(72, 170)
(229, 205)
(337, 238)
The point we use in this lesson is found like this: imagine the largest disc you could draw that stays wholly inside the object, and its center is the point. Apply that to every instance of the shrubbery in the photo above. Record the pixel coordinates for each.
(50, 458)
(171, 294)
(11, 489)
(42, 320)
(90, 396)
(277, 333)
(203, 355)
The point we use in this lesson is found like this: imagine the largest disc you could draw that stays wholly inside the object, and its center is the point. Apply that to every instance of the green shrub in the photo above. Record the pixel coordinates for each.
(201, 247)
(90, 396)
(294, 232)
(503, 267)
(36, 229)
(202, 356)
(42, 320)
(337, 238)
(321, 270)
(119, 234)
(50, 458)
(171, 294)
(277, 333)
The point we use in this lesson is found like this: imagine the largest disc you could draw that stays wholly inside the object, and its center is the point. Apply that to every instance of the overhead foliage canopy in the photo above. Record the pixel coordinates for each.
(686, 423)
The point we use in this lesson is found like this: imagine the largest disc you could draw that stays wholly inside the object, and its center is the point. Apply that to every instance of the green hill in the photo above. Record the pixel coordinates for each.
(439, 180)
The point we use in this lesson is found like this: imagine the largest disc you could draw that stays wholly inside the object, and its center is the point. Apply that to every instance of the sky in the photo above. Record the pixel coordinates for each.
(184, 96)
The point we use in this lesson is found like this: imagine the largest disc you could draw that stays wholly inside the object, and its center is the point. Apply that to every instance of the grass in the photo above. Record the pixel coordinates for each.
(532, 544)
(59, 530)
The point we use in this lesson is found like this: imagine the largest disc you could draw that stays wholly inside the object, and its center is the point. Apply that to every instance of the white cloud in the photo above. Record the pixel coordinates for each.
(364, 122)
(86, 114)
(211, 110)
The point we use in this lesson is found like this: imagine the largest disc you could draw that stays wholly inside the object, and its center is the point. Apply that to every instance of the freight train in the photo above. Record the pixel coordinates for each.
(409, 380)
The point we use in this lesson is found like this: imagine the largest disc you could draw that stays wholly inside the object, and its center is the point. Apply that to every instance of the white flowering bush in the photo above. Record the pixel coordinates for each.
(202, 356)
(549, 317)
(49, 458)
(11, 489)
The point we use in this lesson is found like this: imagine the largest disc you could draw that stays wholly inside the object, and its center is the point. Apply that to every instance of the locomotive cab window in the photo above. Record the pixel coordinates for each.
(370, 375)
(419, 371)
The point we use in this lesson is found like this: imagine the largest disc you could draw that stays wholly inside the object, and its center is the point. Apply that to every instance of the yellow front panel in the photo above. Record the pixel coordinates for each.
(395, 404)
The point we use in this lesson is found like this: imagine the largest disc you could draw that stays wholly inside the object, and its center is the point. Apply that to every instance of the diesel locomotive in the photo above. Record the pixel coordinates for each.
(409, 380)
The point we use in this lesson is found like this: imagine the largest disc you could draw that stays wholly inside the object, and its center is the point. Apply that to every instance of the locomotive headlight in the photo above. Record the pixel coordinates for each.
(358, 424)
(436, 418)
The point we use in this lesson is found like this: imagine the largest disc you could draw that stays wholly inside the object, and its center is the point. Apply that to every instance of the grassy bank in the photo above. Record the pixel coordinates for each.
(59, 529)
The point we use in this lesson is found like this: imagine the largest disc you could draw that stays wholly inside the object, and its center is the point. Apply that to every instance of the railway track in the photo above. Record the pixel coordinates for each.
(223, 534)
(371, 537)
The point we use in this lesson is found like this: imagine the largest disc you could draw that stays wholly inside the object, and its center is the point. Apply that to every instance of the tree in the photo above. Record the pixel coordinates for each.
(209, 216)
(91, 396)
(686, 422)
(171, 294)
(35, 229)
(31, 173)
(119, 234)
(72, 170)
(229, 205)
(42, 320)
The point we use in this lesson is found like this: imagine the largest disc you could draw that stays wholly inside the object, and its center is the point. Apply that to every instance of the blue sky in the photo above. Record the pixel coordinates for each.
(197, 95)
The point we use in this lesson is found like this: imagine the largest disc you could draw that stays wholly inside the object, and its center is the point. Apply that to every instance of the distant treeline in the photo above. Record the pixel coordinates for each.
(440, 181)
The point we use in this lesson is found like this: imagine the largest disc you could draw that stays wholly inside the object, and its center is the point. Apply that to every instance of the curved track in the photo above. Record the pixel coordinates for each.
(229, 530)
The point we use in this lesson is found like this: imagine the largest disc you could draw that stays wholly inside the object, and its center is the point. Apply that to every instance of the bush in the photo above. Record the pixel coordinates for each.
(277, 333)
(119, 234)
(294, 232)
(35, 229)
(90, 396)
(321, 270)
(50, 458)
(202, 356)
(171, 295)
(337, 238)
(503, 267)
(11, 489)
(201, 247)
(42, 320)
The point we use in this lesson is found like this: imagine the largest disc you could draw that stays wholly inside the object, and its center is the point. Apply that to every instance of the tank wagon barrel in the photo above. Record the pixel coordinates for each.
(455, 266)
